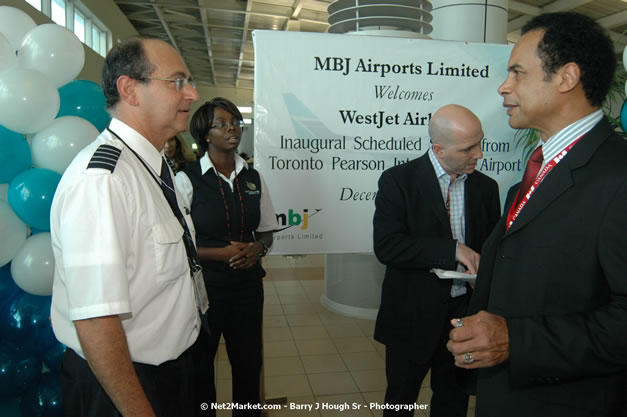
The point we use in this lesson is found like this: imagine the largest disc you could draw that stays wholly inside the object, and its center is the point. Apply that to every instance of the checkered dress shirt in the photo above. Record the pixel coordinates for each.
(454, 194)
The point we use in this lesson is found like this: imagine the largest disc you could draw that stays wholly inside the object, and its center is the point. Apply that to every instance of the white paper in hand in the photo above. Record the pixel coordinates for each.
(443, 274)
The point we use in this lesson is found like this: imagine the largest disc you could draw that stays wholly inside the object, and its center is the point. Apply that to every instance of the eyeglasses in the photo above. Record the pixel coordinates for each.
(226, 125)
(180, 83)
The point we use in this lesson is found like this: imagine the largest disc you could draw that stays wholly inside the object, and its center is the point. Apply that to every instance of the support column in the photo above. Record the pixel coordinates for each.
(352, 284)
(470, 20)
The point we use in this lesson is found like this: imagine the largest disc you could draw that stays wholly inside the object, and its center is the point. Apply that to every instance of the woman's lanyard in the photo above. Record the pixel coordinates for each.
(227, 210)
(514, 211)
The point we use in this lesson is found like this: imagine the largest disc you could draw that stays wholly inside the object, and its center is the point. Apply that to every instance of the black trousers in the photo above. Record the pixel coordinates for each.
(204, 377)
(170, 387)
(405, 373)
(236, 313)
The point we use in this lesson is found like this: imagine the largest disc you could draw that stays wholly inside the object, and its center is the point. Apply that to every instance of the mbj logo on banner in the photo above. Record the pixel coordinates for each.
(332, 112)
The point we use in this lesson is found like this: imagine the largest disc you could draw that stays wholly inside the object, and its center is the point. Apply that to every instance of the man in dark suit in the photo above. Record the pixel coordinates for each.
(433, 212)
(547, 324)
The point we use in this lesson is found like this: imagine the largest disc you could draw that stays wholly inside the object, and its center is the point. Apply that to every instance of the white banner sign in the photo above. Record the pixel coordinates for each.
(332, 112)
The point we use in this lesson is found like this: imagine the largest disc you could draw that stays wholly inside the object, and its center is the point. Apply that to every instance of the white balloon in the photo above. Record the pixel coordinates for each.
(625, 58)
(57, 144)
(7, 54)
(54, 51)
(28, 100)
(14, 25)
(33, 266)
(13, 233)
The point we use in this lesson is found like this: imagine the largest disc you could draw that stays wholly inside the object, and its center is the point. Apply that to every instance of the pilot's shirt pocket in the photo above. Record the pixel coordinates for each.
(170, 255)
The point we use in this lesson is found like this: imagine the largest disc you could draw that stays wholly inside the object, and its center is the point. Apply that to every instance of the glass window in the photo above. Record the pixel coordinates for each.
(35, 3)
(98, 40)
(57, 8)
(79, 26)
(74, 15)
(95, 38)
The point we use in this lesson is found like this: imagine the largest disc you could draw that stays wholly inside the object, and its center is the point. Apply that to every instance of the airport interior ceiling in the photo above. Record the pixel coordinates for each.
(215, 36)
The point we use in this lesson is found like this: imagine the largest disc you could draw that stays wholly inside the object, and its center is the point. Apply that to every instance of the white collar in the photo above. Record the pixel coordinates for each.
(206, 164)
(138, 143)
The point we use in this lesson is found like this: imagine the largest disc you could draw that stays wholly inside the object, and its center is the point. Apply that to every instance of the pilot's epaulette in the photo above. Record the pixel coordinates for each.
(105, 157)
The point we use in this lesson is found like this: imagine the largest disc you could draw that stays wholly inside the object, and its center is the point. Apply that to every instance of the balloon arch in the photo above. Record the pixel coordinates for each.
(46, 118)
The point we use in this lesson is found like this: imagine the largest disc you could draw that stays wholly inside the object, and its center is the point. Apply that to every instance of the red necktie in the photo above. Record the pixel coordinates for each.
(531, 172)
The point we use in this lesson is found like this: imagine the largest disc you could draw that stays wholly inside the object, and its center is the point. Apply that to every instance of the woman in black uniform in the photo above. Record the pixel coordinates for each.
(234, 219)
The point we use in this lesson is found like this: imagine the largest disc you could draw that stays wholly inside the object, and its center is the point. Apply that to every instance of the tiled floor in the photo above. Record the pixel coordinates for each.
(312, 356)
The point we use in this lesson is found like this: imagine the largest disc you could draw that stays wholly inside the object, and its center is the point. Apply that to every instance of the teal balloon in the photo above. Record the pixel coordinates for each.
(53, 356)
(10, 408)
(25, 322)
(623, 116)
(15, 156)
(84, 98)
(19, 371)
(30, 196)
(44, 399)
